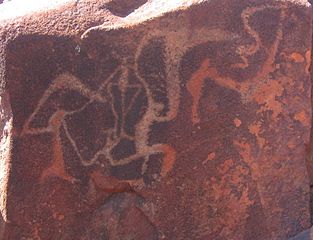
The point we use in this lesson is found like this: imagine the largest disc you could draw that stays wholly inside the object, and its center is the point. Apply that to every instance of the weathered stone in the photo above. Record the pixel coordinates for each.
(305, 235)
(169, 120)
(309, 159)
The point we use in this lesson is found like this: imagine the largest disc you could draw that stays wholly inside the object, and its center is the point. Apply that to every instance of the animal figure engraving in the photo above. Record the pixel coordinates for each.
(266, 89)
(248, 89)
(258, 89)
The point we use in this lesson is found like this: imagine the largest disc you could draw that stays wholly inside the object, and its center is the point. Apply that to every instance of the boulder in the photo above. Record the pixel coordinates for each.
(155, 119)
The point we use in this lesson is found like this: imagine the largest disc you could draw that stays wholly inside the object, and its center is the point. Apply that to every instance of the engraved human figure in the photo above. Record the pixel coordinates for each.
(127, 104)
(118, 99)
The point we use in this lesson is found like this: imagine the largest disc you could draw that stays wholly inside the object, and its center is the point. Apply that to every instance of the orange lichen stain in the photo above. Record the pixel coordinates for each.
(237, 122)
(245, 198)
(266, 96)
(245, 152)
(256, 130)
(108, 183)
(195, 84)
(296, 57)
(169, 159)
(308, 61)
(230, 194)
(225, 167)
(237, 175)
(303, 118)
(57, 167)
(291, 145)
(210, 157)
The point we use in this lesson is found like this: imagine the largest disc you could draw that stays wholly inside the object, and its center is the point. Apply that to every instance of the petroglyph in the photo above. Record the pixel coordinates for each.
(122, 97)
(195, 117)
(259, 89)
(133, 98)
(130, 103)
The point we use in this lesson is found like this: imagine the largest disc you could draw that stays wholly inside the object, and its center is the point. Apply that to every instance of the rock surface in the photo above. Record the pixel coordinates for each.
(305, 235)
(122, 122)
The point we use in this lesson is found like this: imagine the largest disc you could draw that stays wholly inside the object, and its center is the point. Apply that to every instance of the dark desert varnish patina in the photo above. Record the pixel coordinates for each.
(189, 122)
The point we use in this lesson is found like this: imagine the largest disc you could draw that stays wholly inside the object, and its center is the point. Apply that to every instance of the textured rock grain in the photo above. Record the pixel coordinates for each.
(122, 122)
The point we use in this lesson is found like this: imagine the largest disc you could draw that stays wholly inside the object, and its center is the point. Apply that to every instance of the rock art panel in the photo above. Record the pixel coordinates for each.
(187, 125)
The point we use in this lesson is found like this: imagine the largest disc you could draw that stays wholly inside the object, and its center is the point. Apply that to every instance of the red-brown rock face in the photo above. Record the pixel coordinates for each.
(184, 120)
